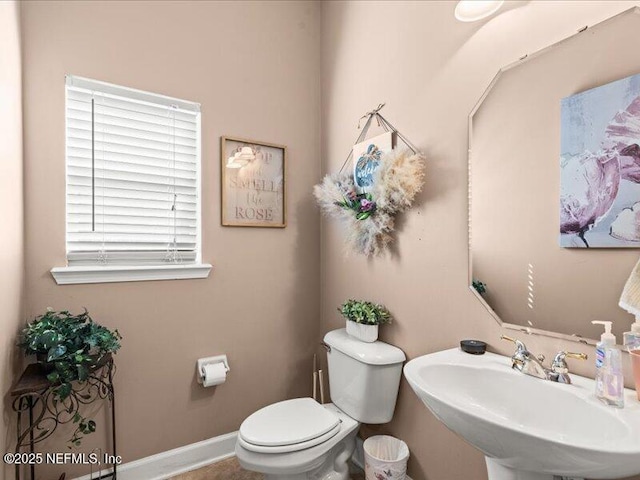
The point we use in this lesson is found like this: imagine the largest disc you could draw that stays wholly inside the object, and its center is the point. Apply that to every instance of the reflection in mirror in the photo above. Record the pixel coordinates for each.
(531, 220)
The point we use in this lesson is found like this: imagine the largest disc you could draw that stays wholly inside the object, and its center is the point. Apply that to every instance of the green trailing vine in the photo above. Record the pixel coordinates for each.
(70, 347)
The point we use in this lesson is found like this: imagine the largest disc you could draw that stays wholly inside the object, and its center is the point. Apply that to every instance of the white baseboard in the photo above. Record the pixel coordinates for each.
(358, 455)
(191, 457)
(179, 460)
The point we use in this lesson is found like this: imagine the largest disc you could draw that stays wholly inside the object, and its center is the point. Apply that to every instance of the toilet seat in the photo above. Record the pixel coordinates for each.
(288, 426)
(289, 448)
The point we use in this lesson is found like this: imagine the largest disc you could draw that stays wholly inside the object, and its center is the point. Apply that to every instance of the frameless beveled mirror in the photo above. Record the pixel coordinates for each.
(536, 147)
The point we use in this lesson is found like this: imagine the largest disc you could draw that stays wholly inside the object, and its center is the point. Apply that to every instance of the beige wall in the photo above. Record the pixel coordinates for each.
(11, 240)
(430, 69)
(255, 69)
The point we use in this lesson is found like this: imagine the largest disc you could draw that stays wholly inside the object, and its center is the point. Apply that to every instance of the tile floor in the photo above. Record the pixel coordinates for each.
(230, 470)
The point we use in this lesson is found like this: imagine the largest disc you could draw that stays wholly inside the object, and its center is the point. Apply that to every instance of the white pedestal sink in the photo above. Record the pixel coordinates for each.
(528, 429)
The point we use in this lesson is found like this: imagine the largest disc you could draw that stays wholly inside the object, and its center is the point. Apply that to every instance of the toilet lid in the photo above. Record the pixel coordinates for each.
(291, 422)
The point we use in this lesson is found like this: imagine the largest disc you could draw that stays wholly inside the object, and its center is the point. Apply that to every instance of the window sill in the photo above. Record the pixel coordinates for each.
(115, 273)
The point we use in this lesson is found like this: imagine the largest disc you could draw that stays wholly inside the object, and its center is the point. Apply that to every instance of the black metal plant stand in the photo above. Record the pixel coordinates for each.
(33, 398)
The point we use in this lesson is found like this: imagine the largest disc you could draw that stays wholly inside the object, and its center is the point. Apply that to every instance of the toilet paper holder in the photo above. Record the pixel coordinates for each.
(202, 362)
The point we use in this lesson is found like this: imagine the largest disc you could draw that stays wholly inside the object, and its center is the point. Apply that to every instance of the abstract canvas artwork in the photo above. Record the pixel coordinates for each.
(600, 167)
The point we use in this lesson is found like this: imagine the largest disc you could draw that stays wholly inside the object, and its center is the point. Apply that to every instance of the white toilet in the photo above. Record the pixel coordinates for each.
(301, 439)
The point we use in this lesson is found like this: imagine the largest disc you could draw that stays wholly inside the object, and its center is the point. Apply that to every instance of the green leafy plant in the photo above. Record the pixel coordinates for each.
(479, 286)
(70, 347)
(365, 312)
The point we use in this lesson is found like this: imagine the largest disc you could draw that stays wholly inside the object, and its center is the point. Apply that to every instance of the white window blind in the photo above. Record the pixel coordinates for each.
(133, 176)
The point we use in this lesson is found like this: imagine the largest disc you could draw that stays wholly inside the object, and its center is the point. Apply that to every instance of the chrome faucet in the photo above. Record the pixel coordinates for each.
(524, 361)
(560, 369)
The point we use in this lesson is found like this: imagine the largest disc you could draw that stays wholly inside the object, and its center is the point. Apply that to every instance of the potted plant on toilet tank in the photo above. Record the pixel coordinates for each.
(363, 319)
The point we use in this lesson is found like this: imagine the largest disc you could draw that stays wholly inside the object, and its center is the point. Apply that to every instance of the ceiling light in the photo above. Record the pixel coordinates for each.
(246, 154)
(231, 163)
(241, 158)
(474, 10)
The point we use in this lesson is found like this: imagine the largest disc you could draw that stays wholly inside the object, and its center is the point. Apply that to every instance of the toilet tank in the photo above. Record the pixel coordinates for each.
(363, 377)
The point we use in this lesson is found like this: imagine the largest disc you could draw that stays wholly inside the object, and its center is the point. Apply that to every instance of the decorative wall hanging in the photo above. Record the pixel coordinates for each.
(253, 183)
(366, 159)
(600, 166)
(383, 183)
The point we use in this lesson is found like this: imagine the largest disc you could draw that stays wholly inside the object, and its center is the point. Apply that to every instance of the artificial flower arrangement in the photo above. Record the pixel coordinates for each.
(363, 318)
(370, 217)
(360, 203)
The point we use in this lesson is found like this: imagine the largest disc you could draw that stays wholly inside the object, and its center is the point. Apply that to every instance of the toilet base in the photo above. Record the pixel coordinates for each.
(334, 467)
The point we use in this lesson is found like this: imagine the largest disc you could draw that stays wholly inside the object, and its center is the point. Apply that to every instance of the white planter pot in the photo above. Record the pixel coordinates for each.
(364, 333)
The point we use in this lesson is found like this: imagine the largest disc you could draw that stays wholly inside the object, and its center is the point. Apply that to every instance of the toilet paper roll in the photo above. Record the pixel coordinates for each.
(213, 374)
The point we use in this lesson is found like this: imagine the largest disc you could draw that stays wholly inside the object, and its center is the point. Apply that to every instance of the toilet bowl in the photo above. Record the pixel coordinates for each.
(324, 457)
(300, 439)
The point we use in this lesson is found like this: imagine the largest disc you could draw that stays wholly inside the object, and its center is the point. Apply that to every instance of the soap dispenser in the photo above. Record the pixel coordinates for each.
(631, 339)
(609, 378)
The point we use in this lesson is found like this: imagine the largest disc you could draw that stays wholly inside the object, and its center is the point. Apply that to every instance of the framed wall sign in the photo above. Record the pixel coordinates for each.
(366, 160)
(253, 183)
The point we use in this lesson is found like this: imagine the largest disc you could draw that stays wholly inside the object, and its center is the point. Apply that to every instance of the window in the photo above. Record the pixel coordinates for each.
(133, 184)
